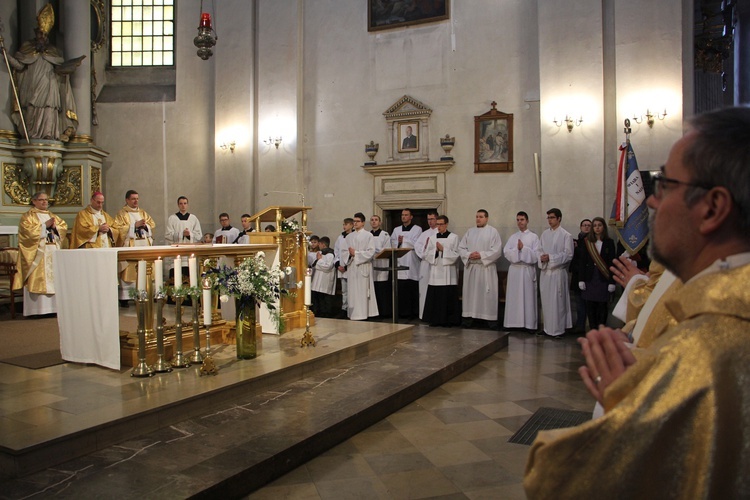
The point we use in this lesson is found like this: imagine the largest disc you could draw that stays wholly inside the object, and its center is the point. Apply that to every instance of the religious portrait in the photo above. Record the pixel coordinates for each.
(493, 141)
(408, 137)
(386, 14)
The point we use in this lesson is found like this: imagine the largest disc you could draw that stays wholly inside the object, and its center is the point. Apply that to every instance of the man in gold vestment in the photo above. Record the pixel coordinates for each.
(134, 227)
(93, 226)
(40, 234)
(676, 418)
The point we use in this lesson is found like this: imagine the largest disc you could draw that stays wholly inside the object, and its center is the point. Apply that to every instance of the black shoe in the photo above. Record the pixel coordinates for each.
(492, 325)
(467, 322)
(124, 303)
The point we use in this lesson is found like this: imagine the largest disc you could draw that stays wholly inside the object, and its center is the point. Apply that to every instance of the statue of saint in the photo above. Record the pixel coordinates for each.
(42, 76)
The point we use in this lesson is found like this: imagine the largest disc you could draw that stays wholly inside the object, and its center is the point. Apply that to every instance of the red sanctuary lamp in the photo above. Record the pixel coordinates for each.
(206, 38)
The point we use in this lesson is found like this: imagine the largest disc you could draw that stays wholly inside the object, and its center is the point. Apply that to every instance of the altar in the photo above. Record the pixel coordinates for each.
(86, 291)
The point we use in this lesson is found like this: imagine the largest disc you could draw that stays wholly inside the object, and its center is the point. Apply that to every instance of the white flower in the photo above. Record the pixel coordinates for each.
(260, 255)
(288, 270)
(299, 284)
(224, 298)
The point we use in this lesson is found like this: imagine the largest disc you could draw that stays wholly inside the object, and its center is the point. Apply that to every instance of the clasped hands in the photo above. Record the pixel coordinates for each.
(607, 358)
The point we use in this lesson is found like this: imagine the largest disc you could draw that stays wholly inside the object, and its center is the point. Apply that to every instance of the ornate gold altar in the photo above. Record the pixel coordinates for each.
(292, 253)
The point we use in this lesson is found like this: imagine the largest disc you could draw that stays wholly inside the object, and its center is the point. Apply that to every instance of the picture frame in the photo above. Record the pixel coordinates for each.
(383, 15)
(493, 141)
(408, 137)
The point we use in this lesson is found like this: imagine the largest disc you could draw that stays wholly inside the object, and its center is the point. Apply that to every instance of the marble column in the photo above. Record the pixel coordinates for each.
(77, 28)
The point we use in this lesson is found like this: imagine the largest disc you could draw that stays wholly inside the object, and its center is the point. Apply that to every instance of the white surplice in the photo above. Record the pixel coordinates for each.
(361, 302)
(520, 294)
(480, 289)
(424, 266)
(175, 227)
(324, 274)
(553, 281)
(411, 259)
(382, 240)
(442, 264)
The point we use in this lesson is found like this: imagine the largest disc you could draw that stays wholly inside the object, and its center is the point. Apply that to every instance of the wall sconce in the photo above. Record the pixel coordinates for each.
(569, 122)
(275, 141)
(650, 118)
(230, 146)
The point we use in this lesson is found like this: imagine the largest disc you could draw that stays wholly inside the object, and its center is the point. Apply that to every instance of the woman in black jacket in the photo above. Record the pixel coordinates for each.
(594, 278)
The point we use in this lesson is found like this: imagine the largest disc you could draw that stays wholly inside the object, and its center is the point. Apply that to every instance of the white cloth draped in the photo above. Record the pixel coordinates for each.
(553, 281)
(480, 288)
(521, 293)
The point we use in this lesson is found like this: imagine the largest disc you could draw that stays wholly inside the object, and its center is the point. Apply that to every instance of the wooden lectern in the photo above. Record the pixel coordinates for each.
(292, 253)
(393, 254)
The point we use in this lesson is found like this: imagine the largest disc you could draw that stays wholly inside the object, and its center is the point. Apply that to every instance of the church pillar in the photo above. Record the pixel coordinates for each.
(77, 28)
(742, 54)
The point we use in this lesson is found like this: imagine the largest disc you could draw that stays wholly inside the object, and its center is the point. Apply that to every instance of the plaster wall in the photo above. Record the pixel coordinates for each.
(165, 149)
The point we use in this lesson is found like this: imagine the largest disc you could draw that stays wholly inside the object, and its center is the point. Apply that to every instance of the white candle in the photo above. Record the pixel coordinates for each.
(207, 305)
(177, 272)
(158, 274)
(308, 291)
(193, 267)
(141, 283)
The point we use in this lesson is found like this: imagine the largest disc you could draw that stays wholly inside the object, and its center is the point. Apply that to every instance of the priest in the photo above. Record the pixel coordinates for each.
(677, 413)
(134, 228)
(93, 226)
(40, 235)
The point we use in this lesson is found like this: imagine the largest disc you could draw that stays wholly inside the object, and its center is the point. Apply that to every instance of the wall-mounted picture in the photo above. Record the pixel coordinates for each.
(493, 141)
(386, 14)
(408, 137)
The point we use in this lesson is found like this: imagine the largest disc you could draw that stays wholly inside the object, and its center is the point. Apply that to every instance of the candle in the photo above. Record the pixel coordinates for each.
(158, 274)
(177, 272)
(205, 20)
(308, 291)
(207, 306)
(193, 267)
(141, 283)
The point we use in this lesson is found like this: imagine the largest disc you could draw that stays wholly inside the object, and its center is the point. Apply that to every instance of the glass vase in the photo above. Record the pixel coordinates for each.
(247, 345)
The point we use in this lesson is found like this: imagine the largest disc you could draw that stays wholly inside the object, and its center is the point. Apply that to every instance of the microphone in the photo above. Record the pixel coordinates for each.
(302, 196)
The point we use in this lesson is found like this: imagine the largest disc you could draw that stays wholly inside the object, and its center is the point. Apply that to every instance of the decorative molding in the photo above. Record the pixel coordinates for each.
(95, 180)
(406, 107)
(15, 184)
(69, 186)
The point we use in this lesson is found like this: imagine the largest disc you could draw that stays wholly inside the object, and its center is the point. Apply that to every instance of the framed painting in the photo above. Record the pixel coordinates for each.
(408, 137)
(386, 14)
(493, 141)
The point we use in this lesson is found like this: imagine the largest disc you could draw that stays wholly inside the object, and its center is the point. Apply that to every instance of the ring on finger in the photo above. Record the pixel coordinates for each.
(597, 379)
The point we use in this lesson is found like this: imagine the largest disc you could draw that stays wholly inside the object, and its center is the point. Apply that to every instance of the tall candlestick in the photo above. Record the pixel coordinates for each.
(177, 272)
(308, 291)
(141, 283)
(158, 274)
(193, 267)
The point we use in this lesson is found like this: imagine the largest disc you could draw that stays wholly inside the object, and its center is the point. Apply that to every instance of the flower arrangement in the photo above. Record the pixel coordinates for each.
(251, 280)
(289, 226)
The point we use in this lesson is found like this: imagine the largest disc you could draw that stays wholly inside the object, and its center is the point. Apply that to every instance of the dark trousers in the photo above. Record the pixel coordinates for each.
(322, 305)
(384, 296)
(408, 298)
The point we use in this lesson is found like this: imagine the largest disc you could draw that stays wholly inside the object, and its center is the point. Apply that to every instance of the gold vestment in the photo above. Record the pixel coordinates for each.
(33, 273)
(85, 228)
(122, 227)
(676, 422)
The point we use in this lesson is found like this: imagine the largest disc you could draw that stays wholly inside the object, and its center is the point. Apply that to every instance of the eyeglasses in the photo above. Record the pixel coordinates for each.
(659, 184)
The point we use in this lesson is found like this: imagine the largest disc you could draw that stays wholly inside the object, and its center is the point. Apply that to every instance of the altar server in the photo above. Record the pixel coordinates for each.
(406, 236)
(480, 248)
(183, 227)
(424, 266)
(555, 252)
(441, 301)
(226, 233)
(362, 303)
(323, 283)
(520, 295)
(381, 277)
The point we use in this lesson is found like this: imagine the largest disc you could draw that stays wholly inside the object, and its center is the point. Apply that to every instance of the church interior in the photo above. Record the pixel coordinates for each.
(292, 103)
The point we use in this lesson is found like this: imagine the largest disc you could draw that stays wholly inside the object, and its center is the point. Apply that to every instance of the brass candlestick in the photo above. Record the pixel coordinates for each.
(161, 364)
(178, 361)
(307, 339)
(141, 369)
